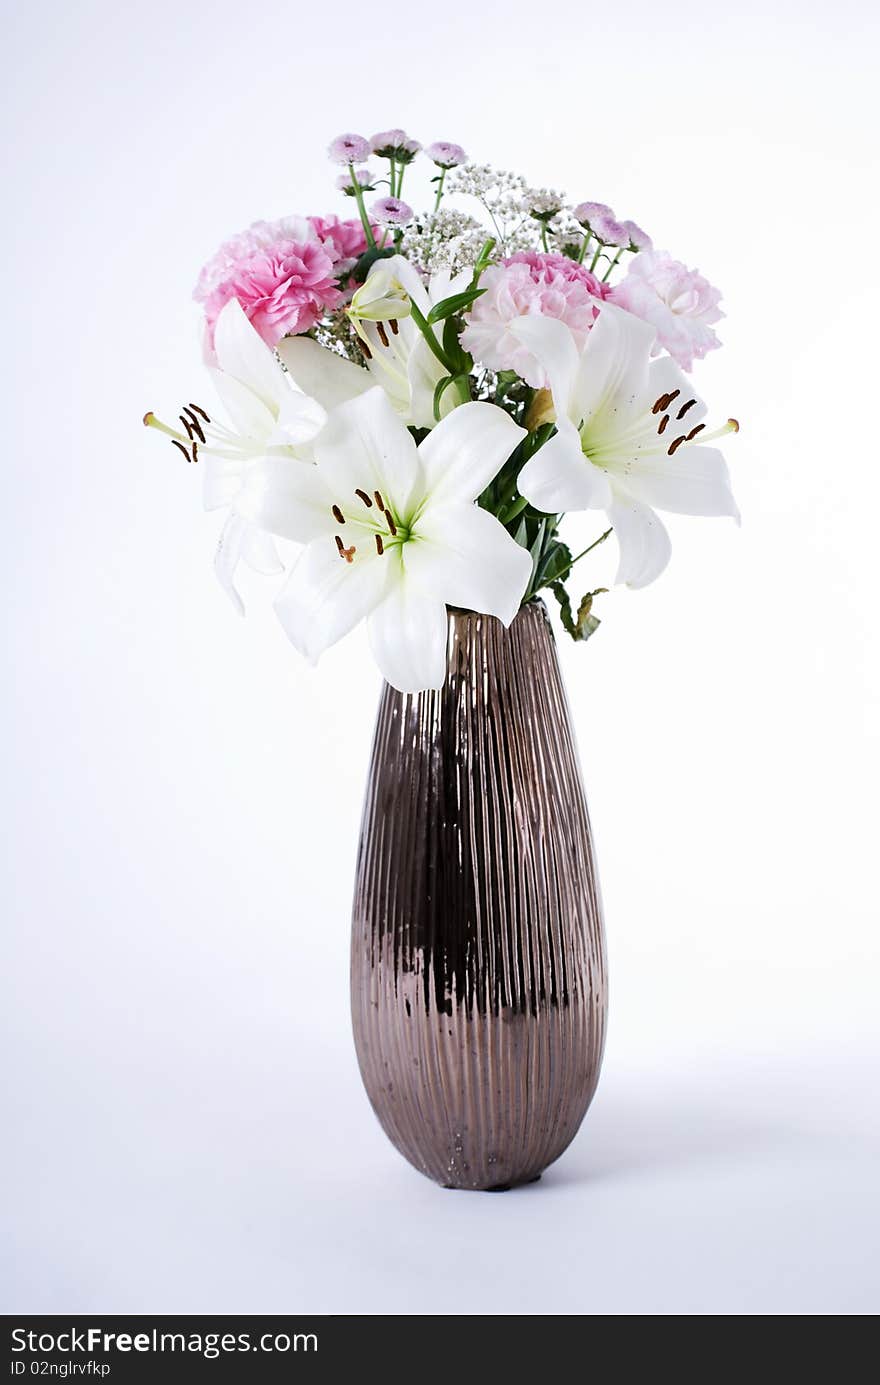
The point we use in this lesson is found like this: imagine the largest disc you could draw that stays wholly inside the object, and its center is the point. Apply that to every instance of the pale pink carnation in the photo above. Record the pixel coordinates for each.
(678, 301)
(530, 284)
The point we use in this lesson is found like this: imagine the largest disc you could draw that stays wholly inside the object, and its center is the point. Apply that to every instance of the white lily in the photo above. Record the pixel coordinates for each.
(272, 425)
(626, 441)
(399, 357)
(396, 536)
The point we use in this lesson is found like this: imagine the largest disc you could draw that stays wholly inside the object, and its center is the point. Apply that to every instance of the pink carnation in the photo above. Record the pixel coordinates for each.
(284, 273)
(530, 284)
(345, 239)
(676, 300)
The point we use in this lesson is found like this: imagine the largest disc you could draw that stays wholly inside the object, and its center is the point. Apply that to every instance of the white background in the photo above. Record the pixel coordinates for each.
(186, 1128)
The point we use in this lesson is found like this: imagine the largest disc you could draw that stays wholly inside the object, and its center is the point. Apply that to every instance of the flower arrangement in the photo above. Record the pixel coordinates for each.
(418, 400)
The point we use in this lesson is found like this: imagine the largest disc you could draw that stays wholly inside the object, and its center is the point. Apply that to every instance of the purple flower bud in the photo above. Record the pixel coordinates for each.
(395, 144)
(364, 180)
(348, 149)
(390, 211)
(638, 239)
(609, 231)
(446, 155)
(585, 212)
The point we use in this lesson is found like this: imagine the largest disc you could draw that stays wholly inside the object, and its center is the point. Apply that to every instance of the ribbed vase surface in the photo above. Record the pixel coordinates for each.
(478, 964)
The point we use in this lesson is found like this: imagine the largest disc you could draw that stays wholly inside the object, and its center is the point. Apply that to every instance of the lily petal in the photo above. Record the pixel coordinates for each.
(559, 477)
(694, 481)
(423, 374)
(222, 480)
(408, 634)
(259, 551)
(613, 369)
(228, 556)
(320, 373)
(300, 419)
(288, 497)
(555, 350)
(252, 418)
(242, 353)
(324, 597)
(464, 556)
(645, 548)
(665, 377)
(466, 451)
(366, 446)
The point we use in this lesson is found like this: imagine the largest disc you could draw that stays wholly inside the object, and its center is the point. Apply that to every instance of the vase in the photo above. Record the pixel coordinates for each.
(478, 978)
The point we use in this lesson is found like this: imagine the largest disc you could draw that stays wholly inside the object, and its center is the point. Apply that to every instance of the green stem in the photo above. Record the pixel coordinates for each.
(595, 259)
(483, 259)
(422, 323)
(595, 544)
(580, 258)
(544, 237)
(359, 198)
(440, 190)
(614, 262)
(392, 164)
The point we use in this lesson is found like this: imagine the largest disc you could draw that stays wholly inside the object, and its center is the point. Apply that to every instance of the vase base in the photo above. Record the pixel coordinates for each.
(494, 1187)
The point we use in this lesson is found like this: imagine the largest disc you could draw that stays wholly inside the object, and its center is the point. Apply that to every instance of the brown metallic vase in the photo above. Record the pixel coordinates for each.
(478, 961)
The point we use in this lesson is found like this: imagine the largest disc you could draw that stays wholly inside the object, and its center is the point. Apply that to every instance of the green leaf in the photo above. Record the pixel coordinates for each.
(368, 259)
(460, 363)
(442, 386)
(556, 561)
(584, 624)
(455, 304)
(536, 549)
(510, 512)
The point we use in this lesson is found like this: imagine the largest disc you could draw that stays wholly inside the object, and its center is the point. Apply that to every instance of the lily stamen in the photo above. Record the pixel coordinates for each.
(337, 514)
(194, 422)
(731, 426)
(362, 495)
(346, 553)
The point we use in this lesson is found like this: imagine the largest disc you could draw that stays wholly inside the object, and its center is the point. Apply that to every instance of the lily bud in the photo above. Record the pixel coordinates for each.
(540, 411)
(381, 298)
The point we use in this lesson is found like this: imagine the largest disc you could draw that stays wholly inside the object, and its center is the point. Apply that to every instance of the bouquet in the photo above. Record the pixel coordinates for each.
(419, 399)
